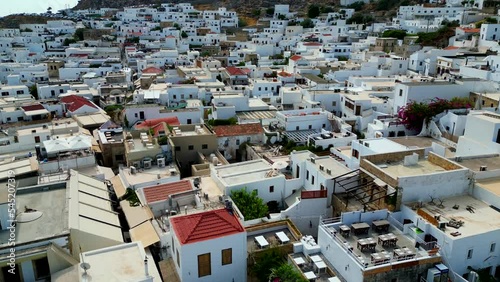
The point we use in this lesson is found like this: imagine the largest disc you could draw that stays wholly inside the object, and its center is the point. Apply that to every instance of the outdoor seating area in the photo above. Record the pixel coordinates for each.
(314, 267)
(257, 241)
(374, 243)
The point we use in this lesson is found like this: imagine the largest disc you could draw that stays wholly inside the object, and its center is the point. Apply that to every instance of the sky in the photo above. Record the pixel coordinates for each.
(33, 6)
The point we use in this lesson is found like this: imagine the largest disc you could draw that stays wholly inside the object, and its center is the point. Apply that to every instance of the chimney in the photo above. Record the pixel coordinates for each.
(146, 270)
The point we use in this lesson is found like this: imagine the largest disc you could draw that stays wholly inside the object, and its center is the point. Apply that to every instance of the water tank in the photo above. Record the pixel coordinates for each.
(215, 160)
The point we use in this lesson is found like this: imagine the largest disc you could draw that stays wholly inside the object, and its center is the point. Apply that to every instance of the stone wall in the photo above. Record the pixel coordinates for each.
(442, 162)
(406, 271)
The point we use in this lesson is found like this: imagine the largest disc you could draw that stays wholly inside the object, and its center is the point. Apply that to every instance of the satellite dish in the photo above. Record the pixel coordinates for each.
(85, 266)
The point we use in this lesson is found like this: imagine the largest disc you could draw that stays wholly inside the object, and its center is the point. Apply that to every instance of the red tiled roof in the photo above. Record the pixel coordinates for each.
(162, 192)
(284, 73)
(152, 122)
(238, 129)
(312, 44)
(235, 71)
(205, 226)
(34, 107)
(451, 48)
(152, 70)
(295, 57)
(470, 30)
(74, 102)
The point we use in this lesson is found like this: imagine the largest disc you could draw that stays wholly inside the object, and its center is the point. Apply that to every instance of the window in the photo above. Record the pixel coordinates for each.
(322, 187)
(20, 92)
(37, 139)
(191, 147)
(237, 141)
(324, 125)
(312, 180)
(61, 91)
(227, 256)
(310, 126)
(249, 139)
(5, 93)
(189, 121)
(271, 189)
(256, 191)
(297, 128)
(118, 158)
(41, 268)
(400, 92)
(175, 96)
(334, 104)
(204, 146)
(173, 246)
(204, 266)
(469, 253)
(493, 247)
(178, 260)
(177, 148)
(13, 277)
(307, 174)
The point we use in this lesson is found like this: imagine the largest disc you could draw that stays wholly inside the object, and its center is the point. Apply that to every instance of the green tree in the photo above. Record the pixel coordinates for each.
(266, 261)
(256, 13)
(79, 33)
(270, 11)
(34, 91)
(286, 272)
(307, 23)
(356, 5)
(399, 34)
(326, 9)
(250, 205)
(184, 34)
(68, 41)
(242, 22)
(313, 11)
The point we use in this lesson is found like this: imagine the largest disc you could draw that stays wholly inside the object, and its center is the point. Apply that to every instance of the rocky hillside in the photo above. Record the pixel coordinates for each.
(13, 21)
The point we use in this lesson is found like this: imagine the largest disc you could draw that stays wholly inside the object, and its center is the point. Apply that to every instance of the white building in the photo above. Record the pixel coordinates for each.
(209, 246)
(482, 135)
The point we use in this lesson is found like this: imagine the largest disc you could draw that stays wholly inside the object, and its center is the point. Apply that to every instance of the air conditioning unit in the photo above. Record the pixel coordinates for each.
(329, 171)
(147, 164)
(137, 164)
(313, 160)
(321, 167)
(160, 162)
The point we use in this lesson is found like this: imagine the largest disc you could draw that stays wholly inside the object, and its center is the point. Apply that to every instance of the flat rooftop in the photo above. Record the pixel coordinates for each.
(491, 184)
(128, 264)
(245, 172)
(54, 214)
(474, 164)
(150, 175)
(399, 169)
(333, 165)
(483, 219)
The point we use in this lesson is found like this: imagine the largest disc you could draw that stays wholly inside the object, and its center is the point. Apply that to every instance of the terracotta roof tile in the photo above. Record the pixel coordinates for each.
(152, 70)
(295, 57)
(155, 121)
(162, 192)
(34, 107)
(235, 71)
(205, 226)
(74, 102)
(238, 129)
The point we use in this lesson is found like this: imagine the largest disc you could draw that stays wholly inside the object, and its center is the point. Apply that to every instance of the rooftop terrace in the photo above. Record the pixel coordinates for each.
(477, 216)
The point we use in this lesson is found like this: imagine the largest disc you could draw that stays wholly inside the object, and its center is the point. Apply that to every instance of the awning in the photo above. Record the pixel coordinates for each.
(79, 142)
(135, 215)
(36, 112)
(118, 186)
(145, 233)
(56, 146)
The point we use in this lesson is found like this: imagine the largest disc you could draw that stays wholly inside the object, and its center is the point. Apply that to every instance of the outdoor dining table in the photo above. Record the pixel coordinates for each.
(360, 228)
